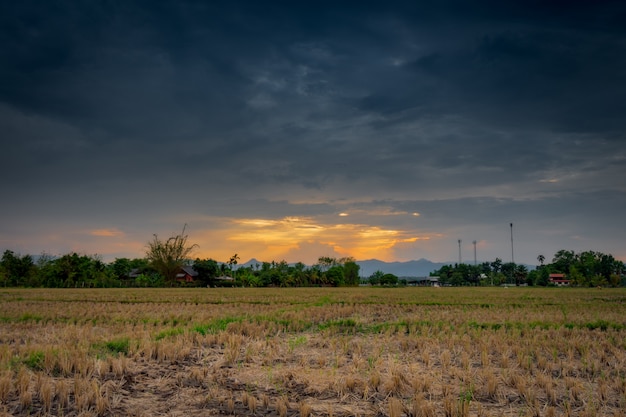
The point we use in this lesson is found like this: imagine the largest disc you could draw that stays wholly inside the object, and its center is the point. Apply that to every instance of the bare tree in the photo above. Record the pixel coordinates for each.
(167, 257)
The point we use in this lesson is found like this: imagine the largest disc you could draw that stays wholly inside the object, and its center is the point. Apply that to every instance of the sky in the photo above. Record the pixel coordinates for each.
(292, 130)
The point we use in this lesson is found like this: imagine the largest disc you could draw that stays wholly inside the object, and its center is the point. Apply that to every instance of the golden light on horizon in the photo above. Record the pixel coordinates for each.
(303, 239)
(290, 238)
(256, 222)
(106, 232)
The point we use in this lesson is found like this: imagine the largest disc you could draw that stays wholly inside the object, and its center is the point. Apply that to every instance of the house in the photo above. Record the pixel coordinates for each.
(423, 281)
(225, 278)
(186, 274)
(135, 273)
(559, 280)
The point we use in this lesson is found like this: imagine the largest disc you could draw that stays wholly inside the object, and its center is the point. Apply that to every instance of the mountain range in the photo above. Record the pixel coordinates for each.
(420, 268)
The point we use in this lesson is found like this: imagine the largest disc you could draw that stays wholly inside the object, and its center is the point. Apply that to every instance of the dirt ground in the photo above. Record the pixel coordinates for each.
(321, 377)
(284, 357)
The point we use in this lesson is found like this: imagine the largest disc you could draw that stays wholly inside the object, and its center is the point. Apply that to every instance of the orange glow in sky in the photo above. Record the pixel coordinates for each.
(302, 239)
(289, 238)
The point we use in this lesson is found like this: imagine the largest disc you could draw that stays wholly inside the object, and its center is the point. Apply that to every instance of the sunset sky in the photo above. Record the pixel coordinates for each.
(294, 130)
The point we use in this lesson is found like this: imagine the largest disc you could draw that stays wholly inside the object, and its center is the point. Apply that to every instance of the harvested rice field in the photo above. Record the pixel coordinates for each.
(313, 352)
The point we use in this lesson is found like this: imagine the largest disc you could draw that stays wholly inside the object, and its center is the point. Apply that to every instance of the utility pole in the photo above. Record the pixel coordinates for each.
(460, 252)
(474, 253)
(512, 255)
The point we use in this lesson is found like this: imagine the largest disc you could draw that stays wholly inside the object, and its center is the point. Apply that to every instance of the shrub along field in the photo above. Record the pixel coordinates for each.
(313, 352)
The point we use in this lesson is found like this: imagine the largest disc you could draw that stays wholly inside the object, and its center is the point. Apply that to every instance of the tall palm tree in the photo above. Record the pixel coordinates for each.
(541, 258)
(234, 260)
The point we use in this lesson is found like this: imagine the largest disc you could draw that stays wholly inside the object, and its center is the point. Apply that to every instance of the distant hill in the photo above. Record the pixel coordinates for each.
(419, 268)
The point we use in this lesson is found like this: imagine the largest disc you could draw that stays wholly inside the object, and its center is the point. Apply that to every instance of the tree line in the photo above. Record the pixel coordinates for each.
(89, 271)
(166, 260)
(583, 269)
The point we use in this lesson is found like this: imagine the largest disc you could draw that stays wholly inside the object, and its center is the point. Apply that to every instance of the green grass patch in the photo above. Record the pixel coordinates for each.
(118, 346)
(341, 326)
(169, 333)
(35, 360)
(27, 317)
(603, 325)
(297, 341)
(543, 325)
(216, 326)
(115, 346)
(323, 301)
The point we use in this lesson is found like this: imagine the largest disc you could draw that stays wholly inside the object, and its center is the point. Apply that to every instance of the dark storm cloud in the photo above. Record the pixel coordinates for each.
(247, 107)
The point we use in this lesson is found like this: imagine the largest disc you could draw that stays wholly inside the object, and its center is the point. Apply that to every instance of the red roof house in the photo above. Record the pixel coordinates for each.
(559, 280)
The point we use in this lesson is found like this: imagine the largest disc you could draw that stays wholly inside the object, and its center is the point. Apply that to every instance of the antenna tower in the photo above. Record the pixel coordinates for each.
(474, 242)
(512, 255)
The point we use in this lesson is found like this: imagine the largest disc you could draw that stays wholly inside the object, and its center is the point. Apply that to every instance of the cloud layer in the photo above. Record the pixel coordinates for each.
(258, 125)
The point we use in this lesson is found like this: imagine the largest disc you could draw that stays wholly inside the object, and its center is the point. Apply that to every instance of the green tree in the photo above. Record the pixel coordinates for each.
(299, 274)
(614, 280)
(121, 268)
(326, 262)
(562, 261)
(520, 273)
(374, 279)
(168, 256)
(71, 270)
(599, 280)
(542, 277)
(456, 278)
(445, 274)
(207, 270)
(577, 278)
(351, 273)
(18, 270)
(496, 266)
(508, 270)
(335, 276)
(143, 280)
(586, 268)
(313, 275)
(389, 279)
(74, 270)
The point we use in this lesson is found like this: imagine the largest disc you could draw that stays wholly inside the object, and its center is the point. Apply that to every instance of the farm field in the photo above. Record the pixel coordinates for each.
(313, 352)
